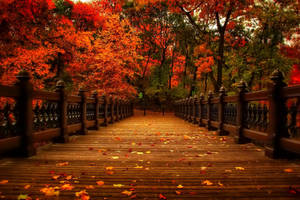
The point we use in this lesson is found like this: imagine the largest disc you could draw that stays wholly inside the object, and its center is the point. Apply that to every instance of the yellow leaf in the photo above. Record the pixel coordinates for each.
(50, 191)
(67, 187)
(109, 168)
(55, 177)
(207, 182)
(126, 192)
(148, 152)
(220, 184)
(83, 195)
(240, 168)
(118, 185)
(179, 186)
(138, 167)
(115, 157)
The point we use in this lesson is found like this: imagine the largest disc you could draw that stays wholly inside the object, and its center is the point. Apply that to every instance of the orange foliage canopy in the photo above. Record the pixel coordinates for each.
(92, 44)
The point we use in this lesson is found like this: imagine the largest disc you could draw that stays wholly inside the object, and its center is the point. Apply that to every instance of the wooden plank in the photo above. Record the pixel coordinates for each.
(231, 99)
(73, 128)
(90, 100)
(215, 124)
(46, 135)
(7, 144)
(256, 96)
(45, 95)
(292, 145)
(153, 156)
(256, 135)
(9, 91)
(230, 128)
(74, 99)
(291, 91)
(90, 123)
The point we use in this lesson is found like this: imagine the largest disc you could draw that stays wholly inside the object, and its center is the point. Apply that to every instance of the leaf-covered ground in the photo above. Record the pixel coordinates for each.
(152, 157)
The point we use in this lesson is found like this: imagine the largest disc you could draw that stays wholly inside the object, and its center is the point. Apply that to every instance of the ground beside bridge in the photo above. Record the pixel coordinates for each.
(152, 157)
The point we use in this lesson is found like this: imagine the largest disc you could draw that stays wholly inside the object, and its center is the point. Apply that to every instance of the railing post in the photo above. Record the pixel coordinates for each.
(209, 105)
(105, 108)
(240, 116)
(277, 116)
(191, 102)
(221, 111)
(200, 109)
(187, 107)
(64, 136)
(95, 96)
(82, 93)
(117, 103)
(111, 100)
(25, 122)
(195, 104)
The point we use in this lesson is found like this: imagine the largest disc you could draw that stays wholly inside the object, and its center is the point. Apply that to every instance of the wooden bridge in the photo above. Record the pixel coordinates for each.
(147, 157)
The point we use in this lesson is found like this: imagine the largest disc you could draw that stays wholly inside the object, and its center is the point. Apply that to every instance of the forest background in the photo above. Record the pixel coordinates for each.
(156, 51)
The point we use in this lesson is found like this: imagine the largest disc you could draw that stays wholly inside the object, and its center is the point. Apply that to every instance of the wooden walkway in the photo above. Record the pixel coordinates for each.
(152, 157)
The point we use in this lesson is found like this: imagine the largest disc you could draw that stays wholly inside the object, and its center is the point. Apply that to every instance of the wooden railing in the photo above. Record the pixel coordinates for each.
(30, 116)
(270, 117)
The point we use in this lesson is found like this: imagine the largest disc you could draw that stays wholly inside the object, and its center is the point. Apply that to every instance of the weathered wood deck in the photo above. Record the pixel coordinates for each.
(152, 157)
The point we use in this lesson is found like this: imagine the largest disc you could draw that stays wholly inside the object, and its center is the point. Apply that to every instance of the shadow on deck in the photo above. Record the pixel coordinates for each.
(150, 157)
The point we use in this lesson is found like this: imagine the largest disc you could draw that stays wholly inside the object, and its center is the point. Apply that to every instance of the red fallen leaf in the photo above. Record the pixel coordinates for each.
(202, 172)
(118, 138)
(91, 148)
(294, 191)
(192, 193)
(209, 165)
(152, 145)
(51, 172)
(140, 144)
(133, 196)
(173, 181)
(178, 192)
(162, 196)
(208, 152)
(130, 150)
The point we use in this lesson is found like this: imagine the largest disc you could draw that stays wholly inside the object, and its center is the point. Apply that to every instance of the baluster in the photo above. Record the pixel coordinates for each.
(265, 117)
(259, 117)
(105, 110)
(201, 109)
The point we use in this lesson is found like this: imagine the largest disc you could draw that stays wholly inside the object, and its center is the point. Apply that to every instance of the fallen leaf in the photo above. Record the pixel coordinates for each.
(288, 170)
(118, 185)
(3, 182)
(62, 164)
(240, 168)
(220, 184)
(67, 187)
(186, 137)
(115, 157)
(126, 192)
(207, 182)
(69, 177)
(89, 187)
(109, 172)
(148, 152)
(178, 192)
(180, 186)
(138, 167)
(55, 177)
(50, 191)
(83, 195)
(162, 196)
(24, 197)
(100, 183)
(26, 187)
(109, 168)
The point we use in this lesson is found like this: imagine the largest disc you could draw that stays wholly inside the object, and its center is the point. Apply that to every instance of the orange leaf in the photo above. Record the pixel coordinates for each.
(100, 183)
(162, 196)
(288, 170)
(3, 182)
